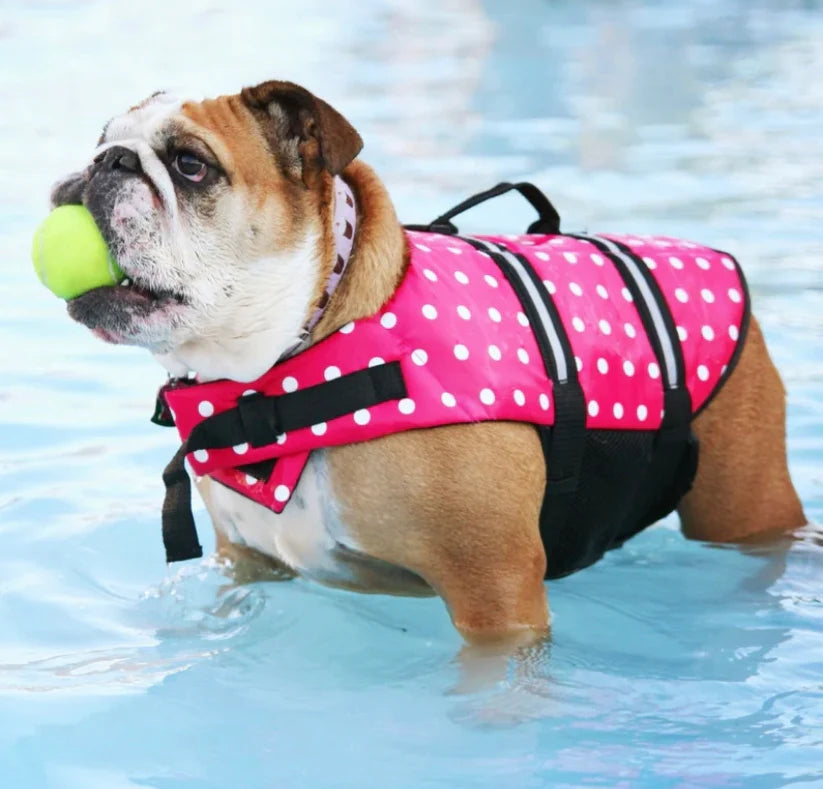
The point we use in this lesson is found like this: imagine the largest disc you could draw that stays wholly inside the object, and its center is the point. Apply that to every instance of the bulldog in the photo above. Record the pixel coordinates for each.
(226, 217)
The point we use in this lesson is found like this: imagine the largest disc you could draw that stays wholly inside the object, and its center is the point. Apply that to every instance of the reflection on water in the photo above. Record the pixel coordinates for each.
(671, 663)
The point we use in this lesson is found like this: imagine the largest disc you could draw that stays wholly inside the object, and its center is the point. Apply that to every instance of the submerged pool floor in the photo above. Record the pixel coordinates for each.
(671, 664)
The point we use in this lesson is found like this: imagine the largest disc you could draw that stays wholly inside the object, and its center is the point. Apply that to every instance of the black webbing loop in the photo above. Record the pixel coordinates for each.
(259, 419)
(179, 531)
(548, 220)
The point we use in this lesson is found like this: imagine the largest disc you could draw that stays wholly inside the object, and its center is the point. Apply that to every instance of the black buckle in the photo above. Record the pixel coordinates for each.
(259, 419)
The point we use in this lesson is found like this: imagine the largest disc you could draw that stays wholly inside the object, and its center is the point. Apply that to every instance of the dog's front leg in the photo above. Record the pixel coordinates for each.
(459, 506)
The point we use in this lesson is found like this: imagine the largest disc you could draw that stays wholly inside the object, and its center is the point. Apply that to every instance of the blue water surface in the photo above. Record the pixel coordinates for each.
(671, 664)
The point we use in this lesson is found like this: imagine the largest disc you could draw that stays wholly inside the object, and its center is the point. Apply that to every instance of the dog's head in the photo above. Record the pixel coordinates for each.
(217, 212)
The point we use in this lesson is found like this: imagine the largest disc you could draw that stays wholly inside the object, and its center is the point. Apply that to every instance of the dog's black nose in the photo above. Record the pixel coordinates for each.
(119, 158)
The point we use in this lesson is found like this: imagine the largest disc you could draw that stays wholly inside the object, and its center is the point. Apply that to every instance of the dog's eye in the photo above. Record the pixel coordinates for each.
(189, 166)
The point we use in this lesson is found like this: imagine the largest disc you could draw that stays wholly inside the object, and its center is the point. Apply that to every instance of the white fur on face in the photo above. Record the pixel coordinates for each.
(243, 306)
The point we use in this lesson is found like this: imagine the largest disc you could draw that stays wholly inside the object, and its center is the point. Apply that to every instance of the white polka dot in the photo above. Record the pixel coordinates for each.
(578, 363)
(707, 295)
(571, 257)
(289, 384)
(519, 397)
(703, 372)
(377, 360)
(627, 295)
(605, 326)
(331, 372)
(461, 352)
(575, 289)
(423, 248)
(550, 286)
(602, 292)
(734, 295)
(250, 480)
(429, 311)
(495, 315)
(494, 352)
(542, 256)
(631, 332)
(654, 370)
(448, 400)
(557, 241)
(522, 319)
(406, 406)
(650, 263)
(543, 400)
(602, 366)
(728, 263)
(205, 408)
(347, 329)
(247, 392)
(490, 280)
(707, 332)
(486, 396)
(593, 408)
(578, 324)
(362, 416)
(464, 312)
(597, 259)
(733, 332)
(388, 320)
(201, 455)
(703, 263)
(682, 333)
(419, 357)
(281, 439)
(429, 275)
(617, 410)
(681, 295)
(455, 250)
(461, 277)
(281, 493)
(676, 262)
(523, 355)
(241, 449)
(642, 413)
(319, 429)
(628, 368)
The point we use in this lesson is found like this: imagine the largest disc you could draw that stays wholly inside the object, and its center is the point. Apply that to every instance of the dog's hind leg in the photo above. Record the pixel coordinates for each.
(742, 487)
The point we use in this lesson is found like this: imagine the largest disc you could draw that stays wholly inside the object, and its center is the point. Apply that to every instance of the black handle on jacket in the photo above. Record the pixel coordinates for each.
(548, 220)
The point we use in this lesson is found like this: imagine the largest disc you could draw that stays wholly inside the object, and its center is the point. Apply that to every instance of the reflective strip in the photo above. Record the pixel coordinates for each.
(539, 306)
(651, 304)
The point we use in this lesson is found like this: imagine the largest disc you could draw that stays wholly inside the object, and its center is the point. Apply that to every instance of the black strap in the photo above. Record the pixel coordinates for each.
(563, 443)
(179, 531)
(259, 419)
(677, 402)
(548, 220)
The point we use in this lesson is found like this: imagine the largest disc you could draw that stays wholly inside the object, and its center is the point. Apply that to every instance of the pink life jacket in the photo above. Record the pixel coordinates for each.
(609, 345)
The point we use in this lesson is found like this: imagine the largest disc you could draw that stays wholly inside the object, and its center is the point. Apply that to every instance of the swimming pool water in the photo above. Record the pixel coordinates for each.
(671, 663)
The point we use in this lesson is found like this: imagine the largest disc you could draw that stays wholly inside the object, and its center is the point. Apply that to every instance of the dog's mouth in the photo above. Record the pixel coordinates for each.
(127, 312)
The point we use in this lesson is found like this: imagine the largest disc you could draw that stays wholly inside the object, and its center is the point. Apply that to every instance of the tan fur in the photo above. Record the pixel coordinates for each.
(742, 487)
(459, 506)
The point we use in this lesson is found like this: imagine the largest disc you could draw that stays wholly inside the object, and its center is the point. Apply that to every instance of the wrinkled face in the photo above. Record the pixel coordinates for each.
(215, 211)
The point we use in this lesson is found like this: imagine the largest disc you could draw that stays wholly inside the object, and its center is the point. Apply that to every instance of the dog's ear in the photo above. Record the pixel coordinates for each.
(309, 134)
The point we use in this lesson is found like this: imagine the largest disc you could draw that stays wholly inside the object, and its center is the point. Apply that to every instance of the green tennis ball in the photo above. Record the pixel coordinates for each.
(70, 255)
